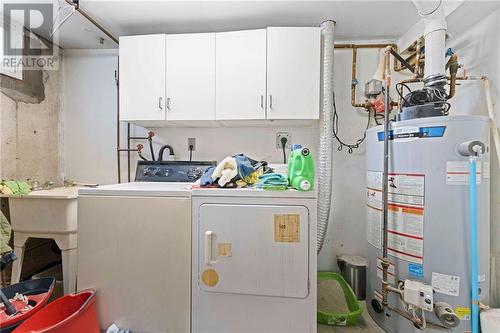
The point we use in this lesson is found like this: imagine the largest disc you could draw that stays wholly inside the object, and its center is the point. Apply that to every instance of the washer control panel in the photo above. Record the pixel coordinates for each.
(171, 171)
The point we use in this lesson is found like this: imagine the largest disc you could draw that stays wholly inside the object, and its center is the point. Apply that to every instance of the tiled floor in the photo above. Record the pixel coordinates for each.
(366, 325)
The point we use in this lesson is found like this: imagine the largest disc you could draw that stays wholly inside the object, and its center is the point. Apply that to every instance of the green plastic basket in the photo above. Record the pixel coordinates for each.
(340, 319)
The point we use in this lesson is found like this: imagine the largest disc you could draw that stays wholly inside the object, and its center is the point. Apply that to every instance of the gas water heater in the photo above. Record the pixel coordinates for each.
(428, 241)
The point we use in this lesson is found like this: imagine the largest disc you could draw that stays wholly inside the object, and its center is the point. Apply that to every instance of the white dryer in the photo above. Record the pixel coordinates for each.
(253, 261)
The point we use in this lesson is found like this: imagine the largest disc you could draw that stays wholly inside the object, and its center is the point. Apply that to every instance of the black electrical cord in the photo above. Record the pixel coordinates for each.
(342, 144)
(190, 152)
(283, 146)
(399, 88)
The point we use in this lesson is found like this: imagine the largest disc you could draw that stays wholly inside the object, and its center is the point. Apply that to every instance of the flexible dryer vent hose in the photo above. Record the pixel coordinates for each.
(326, 131)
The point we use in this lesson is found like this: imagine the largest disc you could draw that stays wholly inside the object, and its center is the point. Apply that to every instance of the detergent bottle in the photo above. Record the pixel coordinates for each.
(301, 168)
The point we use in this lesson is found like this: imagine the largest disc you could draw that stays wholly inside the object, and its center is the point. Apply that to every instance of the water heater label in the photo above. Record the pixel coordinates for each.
(405, 216)
(446, 284)
(457, 172)
(408, 133)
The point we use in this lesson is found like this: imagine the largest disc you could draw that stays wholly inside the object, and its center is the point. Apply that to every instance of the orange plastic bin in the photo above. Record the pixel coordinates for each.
(75, 313)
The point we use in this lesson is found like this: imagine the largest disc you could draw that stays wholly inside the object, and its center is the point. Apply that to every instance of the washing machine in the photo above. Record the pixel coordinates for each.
(253, 261)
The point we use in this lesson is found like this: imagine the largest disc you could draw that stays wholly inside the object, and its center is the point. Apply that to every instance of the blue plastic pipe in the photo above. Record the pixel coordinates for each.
(473, 245)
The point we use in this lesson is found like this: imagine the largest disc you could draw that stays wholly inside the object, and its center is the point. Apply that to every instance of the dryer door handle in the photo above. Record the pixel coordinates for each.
(210, 240)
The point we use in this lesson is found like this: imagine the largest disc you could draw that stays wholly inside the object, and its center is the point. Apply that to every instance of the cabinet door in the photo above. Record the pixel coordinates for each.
(241, 75)
(191, 77)
(142, 77)
(293, 73)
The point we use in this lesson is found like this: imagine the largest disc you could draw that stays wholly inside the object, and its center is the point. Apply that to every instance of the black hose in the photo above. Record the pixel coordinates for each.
(9, 308)
(162, 149)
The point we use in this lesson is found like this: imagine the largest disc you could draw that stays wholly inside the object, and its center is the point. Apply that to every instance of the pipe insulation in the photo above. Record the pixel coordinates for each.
(435, 27)
(326, 131)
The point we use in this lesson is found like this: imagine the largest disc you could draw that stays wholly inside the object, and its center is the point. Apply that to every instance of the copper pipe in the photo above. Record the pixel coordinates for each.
(355, 104)
(418, 69)
(129, 149)
(454, 66)
(413, 80)
(363, 46)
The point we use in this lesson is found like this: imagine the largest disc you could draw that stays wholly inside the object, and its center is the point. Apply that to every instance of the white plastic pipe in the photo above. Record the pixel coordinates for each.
(491, 114)
(326, 131)
(434, 18)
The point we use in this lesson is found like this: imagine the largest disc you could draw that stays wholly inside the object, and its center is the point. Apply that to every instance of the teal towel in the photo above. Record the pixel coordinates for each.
(273, 181)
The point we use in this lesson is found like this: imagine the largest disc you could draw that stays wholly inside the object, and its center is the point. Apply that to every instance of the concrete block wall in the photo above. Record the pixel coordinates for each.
(30, 124)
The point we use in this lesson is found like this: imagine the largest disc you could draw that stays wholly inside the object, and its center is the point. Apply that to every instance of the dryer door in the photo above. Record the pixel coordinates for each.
(254, 249)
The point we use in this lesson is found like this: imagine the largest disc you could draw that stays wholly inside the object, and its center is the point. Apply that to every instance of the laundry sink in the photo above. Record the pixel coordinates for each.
(45, 211)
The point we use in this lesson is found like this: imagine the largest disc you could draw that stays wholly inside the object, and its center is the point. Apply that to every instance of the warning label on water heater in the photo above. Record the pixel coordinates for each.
(405, 216)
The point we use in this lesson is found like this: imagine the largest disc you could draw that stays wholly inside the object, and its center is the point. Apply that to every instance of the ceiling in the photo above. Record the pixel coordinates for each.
(356, 20)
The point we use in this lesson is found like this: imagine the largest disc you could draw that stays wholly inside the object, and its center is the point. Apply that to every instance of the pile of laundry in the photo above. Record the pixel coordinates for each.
(242, 171)
(234, 171)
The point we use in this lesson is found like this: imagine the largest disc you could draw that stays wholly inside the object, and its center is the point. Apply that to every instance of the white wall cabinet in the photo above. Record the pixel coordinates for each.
(241, 75)
(190, 77)
(271, 73)
(142, 77)
(293, 73)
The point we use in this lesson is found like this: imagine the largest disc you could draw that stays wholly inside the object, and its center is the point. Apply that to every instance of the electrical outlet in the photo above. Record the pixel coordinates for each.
(192, 142)
(286, 135)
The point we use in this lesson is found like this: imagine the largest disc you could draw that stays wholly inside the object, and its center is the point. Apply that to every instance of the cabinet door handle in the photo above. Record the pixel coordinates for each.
(160, 99)
(270, 101)
(168, 103)
(261, 101)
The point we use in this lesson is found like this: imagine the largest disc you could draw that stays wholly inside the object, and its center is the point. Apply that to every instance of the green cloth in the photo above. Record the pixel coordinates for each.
(18, 187)
(273, 181)
(5, 232)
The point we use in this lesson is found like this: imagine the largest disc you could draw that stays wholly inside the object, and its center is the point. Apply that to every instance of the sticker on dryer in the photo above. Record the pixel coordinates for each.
(446, 284)
(287, 228)
(391, 271)
(210, 277)
(224, 249)
(457, 173)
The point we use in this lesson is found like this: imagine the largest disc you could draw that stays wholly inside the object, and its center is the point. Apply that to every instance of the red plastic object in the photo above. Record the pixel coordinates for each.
(38, 293)
(74, 313)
